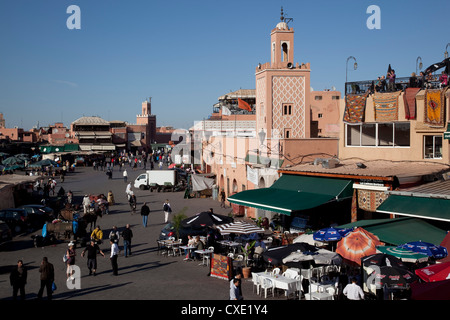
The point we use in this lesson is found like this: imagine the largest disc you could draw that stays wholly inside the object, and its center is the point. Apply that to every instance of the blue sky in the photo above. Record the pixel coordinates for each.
(185, 54)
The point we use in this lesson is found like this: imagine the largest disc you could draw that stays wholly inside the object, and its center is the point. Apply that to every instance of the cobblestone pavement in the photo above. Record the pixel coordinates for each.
(143, 276)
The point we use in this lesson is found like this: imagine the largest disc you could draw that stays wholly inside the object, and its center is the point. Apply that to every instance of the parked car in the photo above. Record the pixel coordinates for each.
(38, 214)
(169, 231)
(5, 232)
(16, 219)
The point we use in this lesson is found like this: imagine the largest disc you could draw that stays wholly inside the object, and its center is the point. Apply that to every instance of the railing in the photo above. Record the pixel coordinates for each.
(369, 85)
(234, 108)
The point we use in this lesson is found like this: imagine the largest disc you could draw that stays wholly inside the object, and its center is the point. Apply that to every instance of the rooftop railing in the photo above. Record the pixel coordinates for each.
(402, 83)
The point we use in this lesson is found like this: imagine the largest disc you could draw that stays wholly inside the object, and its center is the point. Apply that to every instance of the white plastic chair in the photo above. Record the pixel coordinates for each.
(206, 256)
(255, 280)
(276, 271)
(267, 285)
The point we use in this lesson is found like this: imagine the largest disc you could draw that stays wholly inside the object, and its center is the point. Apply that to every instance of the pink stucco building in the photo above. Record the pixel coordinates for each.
(280, 132)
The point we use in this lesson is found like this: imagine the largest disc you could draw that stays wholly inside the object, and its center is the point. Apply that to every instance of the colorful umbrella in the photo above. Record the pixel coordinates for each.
(331, 234)
(403, 254)
(431, 290)
(435, 272)
(429, 249)
(446, 244)
(357, 244)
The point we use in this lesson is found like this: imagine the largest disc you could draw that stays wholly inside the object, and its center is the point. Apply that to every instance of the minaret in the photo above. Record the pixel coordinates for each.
(283, 89)
(146, 118)
(147, 107)
(282, 42)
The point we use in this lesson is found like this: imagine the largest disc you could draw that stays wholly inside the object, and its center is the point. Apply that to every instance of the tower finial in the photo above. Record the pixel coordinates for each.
(282, 16)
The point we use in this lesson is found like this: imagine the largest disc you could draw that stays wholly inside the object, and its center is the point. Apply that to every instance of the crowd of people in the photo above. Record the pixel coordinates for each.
(389, 83)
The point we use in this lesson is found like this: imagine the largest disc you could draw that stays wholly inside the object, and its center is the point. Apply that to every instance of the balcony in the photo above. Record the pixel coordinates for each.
(402, 83)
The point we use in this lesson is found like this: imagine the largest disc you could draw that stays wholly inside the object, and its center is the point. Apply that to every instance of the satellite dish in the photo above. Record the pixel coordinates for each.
(333, 88)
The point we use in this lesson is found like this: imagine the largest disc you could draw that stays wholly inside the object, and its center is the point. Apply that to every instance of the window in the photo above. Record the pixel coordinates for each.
(335, 97)
(317, 97)
(284, 49)
(320, 115)
(287, 133)
(395, 134)
(287, 109)
(432, 147)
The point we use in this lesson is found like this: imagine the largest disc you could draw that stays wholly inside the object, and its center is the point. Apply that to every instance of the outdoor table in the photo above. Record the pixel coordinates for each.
(322, 286)
(232, 245)
(318, 296)
(189, 249)
(172, 246)
(282, 282)
(203, 253)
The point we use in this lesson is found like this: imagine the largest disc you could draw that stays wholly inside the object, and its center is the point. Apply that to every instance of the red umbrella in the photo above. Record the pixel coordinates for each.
(358, 244)
(431, 290)
(435, 272)
(446, 244)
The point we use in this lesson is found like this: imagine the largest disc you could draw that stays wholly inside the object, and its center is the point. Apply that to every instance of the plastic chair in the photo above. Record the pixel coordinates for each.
(276, 271)
(299, 288)
(206, 256)
(255, 280)
(267, 285)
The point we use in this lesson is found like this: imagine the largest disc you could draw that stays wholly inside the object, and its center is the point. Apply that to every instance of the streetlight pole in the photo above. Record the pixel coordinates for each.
(420, 64)
(446, 51)
(355, 66)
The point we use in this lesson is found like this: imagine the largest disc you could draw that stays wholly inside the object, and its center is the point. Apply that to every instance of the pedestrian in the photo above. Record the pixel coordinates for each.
(70, 254)
(111, 200)
(47, 277)
(69, 197)
(114, 235)
(127, 234)
(222, 199)
(97, 235)
(125, 175)
(132, 201)
(113, 258)
(145, 211)
(353, 291)
(18, 280)
(234, 290)
(86, 204)
(128, 191)
(92, 250)
(167, 210)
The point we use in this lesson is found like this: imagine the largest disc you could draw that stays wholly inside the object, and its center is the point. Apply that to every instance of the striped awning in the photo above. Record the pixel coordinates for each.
(239, 227)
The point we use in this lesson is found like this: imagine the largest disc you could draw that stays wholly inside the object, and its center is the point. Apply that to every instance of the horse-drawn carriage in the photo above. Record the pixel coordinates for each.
(72, 223)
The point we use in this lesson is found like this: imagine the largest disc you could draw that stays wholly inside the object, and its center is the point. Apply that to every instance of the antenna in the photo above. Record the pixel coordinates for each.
(284, 19)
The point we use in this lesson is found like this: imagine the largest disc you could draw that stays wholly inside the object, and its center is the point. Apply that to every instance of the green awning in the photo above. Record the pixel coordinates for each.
(398, 231)
(70, 147)
(420, 207)
(294, 193)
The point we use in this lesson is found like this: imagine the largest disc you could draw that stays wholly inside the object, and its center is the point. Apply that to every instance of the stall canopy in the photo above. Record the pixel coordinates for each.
(293, 193)
(400, 230)
(414, 206)
(200, 182)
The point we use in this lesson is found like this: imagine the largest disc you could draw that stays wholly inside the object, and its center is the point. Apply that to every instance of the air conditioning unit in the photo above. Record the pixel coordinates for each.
(318, 161)
(330, 163)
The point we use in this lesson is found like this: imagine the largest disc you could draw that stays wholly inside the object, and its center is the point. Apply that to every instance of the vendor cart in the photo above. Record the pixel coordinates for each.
(60, 229)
